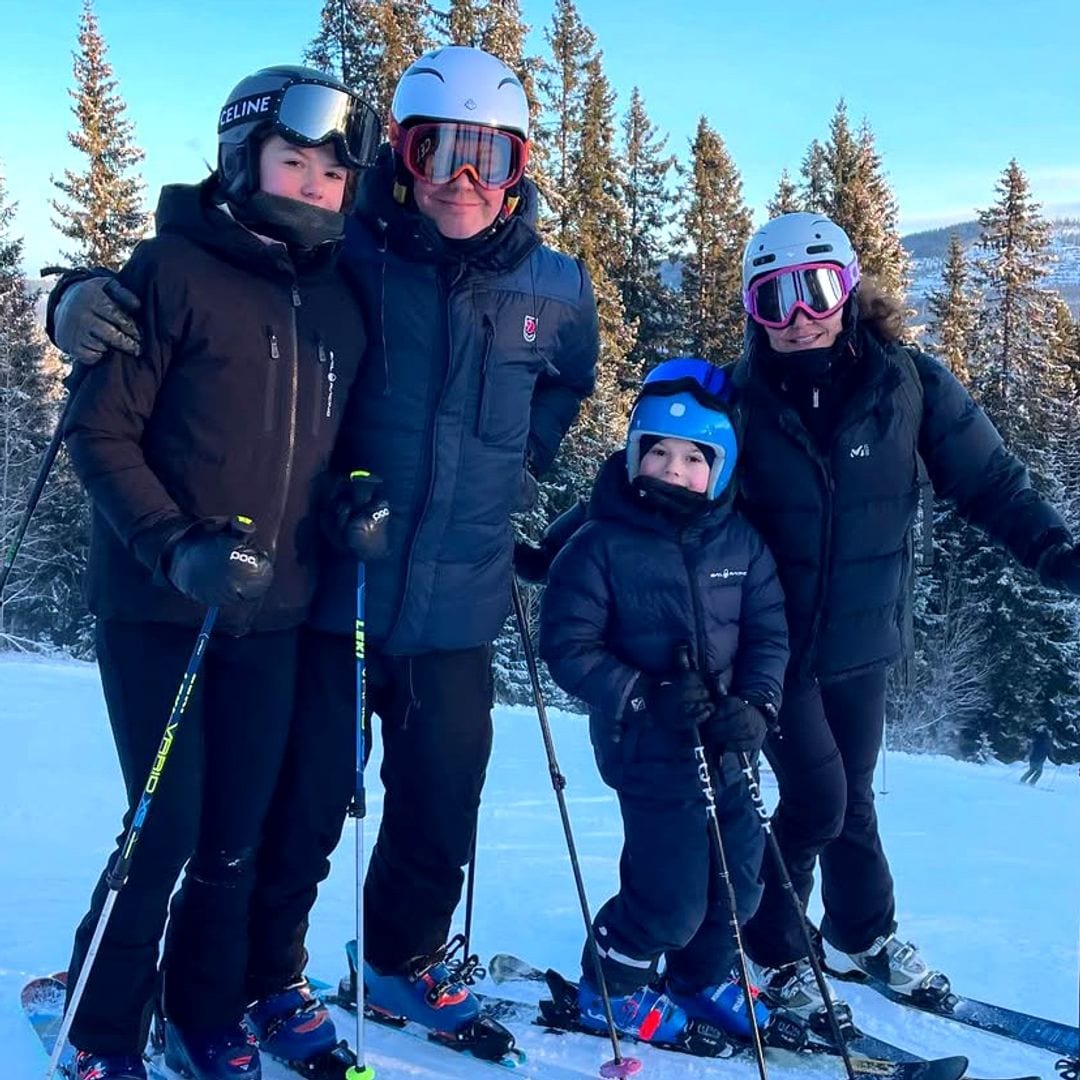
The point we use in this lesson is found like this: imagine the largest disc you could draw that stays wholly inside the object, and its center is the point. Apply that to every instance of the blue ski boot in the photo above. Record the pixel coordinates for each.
(430, 992)
(646, 1014)
(230, 1054)
(108, 1066)
(722, 1004)
(293, 1024)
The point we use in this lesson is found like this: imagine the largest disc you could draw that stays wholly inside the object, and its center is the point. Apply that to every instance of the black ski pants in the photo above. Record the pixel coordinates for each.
(824, 762)
(1034, 772)
(435, 710)
(671, 899)
(208, 807)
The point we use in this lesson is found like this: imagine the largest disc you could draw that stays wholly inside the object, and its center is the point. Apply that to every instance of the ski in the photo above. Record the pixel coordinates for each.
(42, 1001)
(939, 1000)
(871, 1056)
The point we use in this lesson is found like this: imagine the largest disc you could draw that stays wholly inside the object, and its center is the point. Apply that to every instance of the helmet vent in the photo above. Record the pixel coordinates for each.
(818, 249)
(764, 260)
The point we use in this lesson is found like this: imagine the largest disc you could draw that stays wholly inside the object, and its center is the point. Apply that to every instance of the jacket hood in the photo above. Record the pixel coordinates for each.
(614, 498)
(196, 212)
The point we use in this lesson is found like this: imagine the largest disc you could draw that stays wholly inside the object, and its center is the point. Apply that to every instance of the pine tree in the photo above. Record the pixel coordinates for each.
(562, 86)
(103, 212)
(647, 301)
(465, 23)
(369, 43)
(952, 311)
(345, 45)
(42, 600)
(1014, 323)
(715, 229)
(786, 200)
(843, 178)
(1026, 387)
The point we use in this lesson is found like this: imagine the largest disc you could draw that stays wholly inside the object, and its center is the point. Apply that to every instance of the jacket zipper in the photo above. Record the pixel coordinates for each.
(270, 404)
(434, 437)
(485, 397)
(290, 442)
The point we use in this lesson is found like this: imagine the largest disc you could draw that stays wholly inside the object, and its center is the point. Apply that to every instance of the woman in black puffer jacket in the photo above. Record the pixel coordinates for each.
(837, 414)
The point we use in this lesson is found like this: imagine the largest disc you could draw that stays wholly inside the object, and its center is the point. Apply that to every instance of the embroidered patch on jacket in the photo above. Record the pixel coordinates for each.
(528, 329)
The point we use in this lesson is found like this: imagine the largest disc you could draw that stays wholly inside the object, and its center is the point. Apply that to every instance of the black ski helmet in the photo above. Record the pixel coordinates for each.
(256, 108)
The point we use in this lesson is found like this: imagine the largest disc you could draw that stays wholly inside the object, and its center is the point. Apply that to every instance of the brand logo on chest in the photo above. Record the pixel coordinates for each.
(528, 328)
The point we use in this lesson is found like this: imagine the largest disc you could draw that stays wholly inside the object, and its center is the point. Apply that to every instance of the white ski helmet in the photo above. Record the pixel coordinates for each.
(462, 84)
(793, 240)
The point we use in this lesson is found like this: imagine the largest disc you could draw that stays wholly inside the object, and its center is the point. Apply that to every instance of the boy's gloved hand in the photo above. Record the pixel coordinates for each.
(355, 519)
(1059, 568)
(735, 726)
(95, 315)
(678, 702)
(216, 563)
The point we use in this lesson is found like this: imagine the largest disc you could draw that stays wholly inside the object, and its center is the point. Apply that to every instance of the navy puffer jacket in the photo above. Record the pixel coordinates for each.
(480, 354)
(631, 587)
(836, 512)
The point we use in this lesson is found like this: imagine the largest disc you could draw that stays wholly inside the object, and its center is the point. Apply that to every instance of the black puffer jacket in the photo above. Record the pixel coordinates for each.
(481, 352)
(835, 511)
(631, 587)
(233, 407)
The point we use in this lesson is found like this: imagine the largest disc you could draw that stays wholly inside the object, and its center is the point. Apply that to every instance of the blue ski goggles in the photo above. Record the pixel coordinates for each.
(707, 382)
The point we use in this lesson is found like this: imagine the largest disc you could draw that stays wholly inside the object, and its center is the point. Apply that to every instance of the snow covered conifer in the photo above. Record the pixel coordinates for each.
(102, 210)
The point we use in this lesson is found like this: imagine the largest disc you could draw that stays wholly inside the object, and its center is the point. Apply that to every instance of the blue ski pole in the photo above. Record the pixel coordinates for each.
(358, 810)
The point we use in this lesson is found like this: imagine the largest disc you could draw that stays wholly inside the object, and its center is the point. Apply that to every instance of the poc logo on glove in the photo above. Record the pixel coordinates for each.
(243, 556)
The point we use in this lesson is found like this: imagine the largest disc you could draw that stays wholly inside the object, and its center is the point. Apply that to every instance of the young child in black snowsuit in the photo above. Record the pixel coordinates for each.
(665, 615)
(204, 460)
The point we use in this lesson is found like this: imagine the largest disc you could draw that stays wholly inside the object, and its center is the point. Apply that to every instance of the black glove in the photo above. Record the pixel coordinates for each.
(215, 563)
(735, 726)
(678, 702)
(355, 519)
(1059, 568)
(532, 562)
(95, 315)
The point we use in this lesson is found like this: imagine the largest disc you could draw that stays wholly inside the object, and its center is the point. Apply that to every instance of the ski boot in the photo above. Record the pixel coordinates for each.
(793, 988)
(646, 1014)
(428, 992)
(231, 1054)
(434, 992)
(108, 1066)
(895, 963)
(293, 1024)
(723, 1005)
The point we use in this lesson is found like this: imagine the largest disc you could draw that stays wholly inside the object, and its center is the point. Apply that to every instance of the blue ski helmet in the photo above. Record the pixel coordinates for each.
(686, 398)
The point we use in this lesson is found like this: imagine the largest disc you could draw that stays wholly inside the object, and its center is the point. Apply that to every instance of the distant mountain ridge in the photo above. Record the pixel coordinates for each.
(929, 248)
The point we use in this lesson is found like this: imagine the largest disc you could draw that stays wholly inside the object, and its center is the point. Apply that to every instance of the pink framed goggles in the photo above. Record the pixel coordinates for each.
(440, 151)
(816, 289)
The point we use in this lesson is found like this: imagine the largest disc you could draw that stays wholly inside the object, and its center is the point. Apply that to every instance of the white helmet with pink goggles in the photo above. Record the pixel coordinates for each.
(798, 262)
(459, 109)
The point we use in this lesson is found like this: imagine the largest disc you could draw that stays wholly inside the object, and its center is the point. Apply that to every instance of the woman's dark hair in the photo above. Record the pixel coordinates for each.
(882, 311)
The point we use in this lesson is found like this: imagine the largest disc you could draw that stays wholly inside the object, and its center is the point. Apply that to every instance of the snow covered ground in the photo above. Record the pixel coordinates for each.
(987, 871)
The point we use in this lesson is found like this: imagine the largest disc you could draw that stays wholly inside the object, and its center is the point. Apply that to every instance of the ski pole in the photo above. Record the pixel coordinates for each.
(78, 373)
(800, 913)
(1053, 779)
(118, 875)
(884, 758)
(358, 810)
(707, 789)
(619, 1066)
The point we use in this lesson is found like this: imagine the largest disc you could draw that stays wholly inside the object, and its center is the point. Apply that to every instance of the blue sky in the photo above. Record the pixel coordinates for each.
(952, 88)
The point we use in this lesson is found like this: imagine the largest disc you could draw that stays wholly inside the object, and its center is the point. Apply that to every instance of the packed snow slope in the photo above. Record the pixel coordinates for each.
(987, 873)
